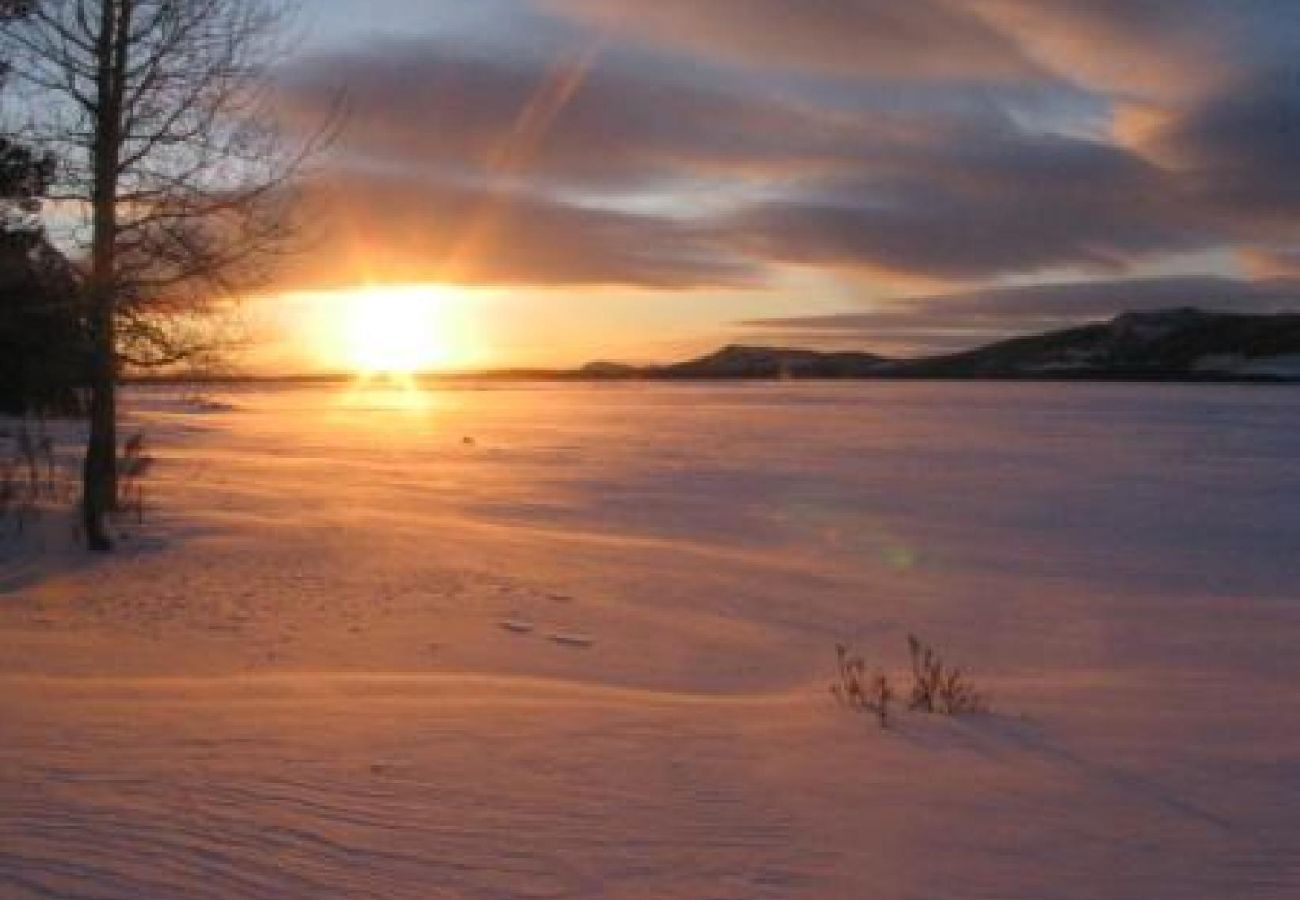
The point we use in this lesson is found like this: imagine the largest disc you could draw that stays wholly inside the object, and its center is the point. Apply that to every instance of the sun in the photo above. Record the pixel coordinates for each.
(399, 330)
(388, 332)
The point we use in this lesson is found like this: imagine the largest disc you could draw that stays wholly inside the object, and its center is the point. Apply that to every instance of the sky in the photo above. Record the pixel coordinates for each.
(644, 179)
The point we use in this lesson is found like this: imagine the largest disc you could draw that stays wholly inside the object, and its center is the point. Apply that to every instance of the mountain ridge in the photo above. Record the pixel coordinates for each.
(1181, 343)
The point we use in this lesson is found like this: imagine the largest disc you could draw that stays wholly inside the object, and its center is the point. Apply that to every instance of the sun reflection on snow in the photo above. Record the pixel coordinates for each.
(388, 391)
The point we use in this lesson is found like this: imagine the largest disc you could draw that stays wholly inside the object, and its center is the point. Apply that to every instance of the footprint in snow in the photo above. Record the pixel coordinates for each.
(570, 639)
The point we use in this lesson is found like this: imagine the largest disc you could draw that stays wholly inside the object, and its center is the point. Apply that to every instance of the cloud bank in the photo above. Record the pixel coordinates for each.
(679, 144)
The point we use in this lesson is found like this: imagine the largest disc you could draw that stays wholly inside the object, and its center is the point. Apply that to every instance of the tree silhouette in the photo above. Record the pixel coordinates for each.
(162, 119)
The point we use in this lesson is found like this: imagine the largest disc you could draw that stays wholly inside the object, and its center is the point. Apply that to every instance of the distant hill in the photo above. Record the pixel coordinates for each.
(1176, 344)
(738, 361)
(1168, 345)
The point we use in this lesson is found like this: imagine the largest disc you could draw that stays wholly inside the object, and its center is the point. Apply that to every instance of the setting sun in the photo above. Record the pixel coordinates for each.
(392, 329)
(395, 331)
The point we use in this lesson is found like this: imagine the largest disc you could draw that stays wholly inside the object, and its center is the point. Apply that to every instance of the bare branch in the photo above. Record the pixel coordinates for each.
(160, 114)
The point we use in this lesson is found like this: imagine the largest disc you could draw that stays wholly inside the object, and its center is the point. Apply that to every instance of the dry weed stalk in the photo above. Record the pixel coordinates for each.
(937, 687)
(856, 689)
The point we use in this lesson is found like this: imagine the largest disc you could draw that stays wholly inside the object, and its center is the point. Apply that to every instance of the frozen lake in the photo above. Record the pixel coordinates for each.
(294, 679)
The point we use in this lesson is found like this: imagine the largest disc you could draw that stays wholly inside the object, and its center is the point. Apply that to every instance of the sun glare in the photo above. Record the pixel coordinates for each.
(400, 330)
(390, 331)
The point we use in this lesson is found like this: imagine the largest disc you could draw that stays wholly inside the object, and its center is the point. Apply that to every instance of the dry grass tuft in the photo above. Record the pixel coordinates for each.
(938, 688)
(857, 689)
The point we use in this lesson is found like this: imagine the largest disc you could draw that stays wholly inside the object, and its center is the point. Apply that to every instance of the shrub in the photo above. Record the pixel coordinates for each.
(24, 455)
(132, 467)
(856, 689)
(937, 688)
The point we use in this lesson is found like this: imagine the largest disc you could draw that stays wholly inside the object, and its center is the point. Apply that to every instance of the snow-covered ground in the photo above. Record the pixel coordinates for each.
(559, 641)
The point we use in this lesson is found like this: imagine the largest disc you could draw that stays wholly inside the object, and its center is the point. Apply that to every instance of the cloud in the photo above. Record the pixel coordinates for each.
(982, 207)
(928, 39)
(1239, 149)
(607, 122)
(710, 142)
(940, 190)
(408, 228)
(1272, 262)
(1150, 50)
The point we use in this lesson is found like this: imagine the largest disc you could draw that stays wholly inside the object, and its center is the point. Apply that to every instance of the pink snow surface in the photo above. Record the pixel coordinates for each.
(586, 653)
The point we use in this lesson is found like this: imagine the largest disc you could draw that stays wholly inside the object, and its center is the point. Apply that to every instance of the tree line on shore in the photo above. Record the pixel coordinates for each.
(44, 346)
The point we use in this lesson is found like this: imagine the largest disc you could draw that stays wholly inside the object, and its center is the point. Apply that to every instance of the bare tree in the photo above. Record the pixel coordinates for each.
(173, 184)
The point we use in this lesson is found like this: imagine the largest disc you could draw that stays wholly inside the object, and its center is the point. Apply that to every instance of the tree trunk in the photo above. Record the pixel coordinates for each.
(99, 476)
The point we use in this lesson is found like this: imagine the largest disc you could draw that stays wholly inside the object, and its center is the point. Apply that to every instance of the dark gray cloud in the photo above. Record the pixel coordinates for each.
(957, 321)
(1239, 149)
(985, 205)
